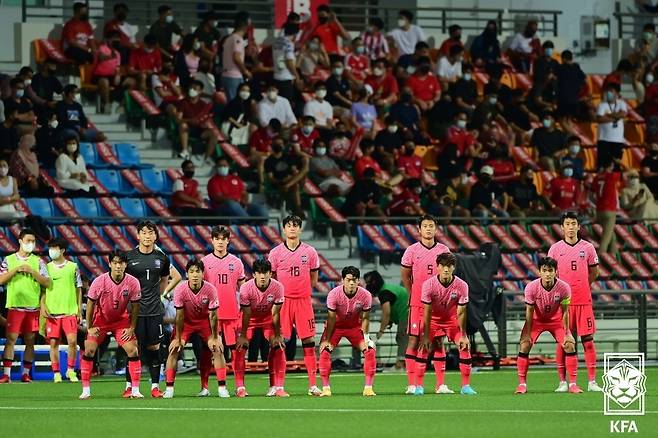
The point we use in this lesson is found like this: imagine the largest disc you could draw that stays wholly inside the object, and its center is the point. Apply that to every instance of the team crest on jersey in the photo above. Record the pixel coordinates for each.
(556, 298)
(358, 306)
(582, 254)
(204, 301)
(304, 259)
(157, 264)
(125, 293)
(453, 295)
(231, 267)
(270, 299)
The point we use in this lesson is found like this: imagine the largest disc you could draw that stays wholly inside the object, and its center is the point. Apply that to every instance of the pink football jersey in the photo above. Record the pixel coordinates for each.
(422, 262)
(224, 273)
(444, 299)
(196, 305)
(111, 299)
(547, 302)
(348, 309)
(573, 263)
(293, 268)
(261, 301)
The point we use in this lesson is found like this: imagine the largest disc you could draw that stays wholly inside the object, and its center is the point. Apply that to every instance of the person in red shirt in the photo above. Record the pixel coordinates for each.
(228, 195)
(186, 199)
(424, 86)
(606, 186)
(106, 70)
(357, 63)
(78, 36)
(455, 32)
(192, 115)
(384, 86)
(624, 68)
(304, 136)
(329, 28)
(145, 61)
(564, 191)
(126, 31)
(467, 145)
(407, 202)
(409, 164)
(366, 160)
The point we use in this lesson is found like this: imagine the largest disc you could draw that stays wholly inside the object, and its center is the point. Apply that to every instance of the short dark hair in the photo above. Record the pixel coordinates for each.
(290, 29)
(117, 254)
(196, 83)
(549, 262)
(185, 163)
(27, 231)
(70, 88)
(426, 217)
(149, 225)
(112, 34)
(567, 55)
(446, 259)
(374, 282)
(649, 26)
(456, 50)
(262, 266)
(574, 138)
(293, 16)
(453, 28)
(195, 262)
(150, 39)
(613, 86)
(292, 219)
(323, 8)
(308, 119)
(209, 16)
(163, 9)
(568, 215)
(15, 81)
(220, 231)
(275, 124)
(58, 242)
(25, 70)
(377, 22)
(241, 19)
(547, 44)
(347, 270)
(78, 5)
(625, 65)
(406, 14)
(120, 6)
(420, 45)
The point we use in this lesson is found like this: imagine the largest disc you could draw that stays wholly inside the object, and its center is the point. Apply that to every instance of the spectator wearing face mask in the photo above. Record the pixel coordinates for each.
(20, 107)
(286, 174)
(166, 89)
(24, 166)
(409, 164)
(525, 47)
(485, 48)
(304, 136)
(273, 106)
(649, 167)
(72, 170)
(78, 36)
(191, 117)
(564, 191)
(208, 35)
(550, 143)
(240, 117)
(388, 142)
(164, 28)
(383, 83)
(610, 116)
(364, 197)
(573, 157)
(145, 61)
(545, 64)
(483, 194)
(285, 65)
(207, 78)
(43, 87)
(407, 202)
(424, 86)
(47, 142)
(523, 197)
(464, 91)
(186, 199)
(637, 199)
(321, 110)
(338, 89)
(186, 60)
(454, 40)
(404, 112)
(228, 195)
(71, 117)
(325, 172)
(9, 195)
(407, 34)
(313, 58)
(329, 28)
(374, 40)
(106, 71)
(467, 145)
(357, 63)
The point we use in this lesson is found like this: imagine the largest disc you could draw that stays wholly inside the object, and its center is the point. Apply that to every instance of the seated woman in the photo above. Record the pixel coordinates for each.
(8, 193)
(72, 170)
(24, 166)
(106, 71)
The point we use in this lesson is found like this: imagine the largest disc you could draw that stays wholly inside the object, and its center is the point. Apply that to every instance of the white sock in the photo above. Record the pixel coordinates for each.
(367, 387)
(154, 386)
(86, 390)
(7, 371)
(128, 385)
(135, 390)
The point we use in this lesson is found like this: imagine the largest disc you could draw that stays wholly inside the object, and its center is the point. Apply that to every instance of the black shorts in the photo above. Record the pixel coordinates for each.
(568, 109)
(149, 330)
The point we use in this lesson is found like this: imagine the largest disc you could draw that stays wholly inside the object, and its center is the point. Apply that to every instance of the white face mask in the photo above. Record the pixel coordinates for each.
(169, 18)
(320, 151)
(568, 172)
(338, 71)
(411, 69)
(493, 100)
(4, 171)
(193, 93)
(197, 45)
(244, 95)
(634, 182)
(307, 130)
(402, 22)
(467, 76)
(71, 148)
(77, 97)
(27, 82)
(393, 129)
(378, 71)
(321, 93)
(574, 149)
(20, 93)
(272, 95)
(649, 78)
(461, 124)
(27, 247)
(222, 170)
(54, 124)
(54, 253)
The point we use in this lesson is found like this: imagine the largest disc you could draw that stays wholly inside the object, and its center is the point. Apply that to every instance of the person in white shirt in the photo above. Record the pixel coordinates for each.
(9, 195)
(273, 106)
(522, 47)
(406, 35)
(71, 168)
(610, 116)
(283, 56)
(449, 68)
(320, 109)
(205, 76)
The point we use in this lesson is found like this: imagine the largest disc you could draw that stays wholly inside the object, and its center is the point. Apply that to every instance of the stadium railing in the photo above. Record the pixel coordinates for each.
(629, 24)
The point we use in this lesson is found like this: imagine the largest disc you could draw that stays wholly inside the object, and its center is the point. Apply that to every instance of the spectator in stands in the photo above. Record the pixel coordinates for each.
(650, 105)
(27, 74)
(464, 92)
(564, 192)
(624, 68)
(71, 117)
(407, 35)
(186, 199)
(21, 107)
(636, 198)
(450, 162)
(407, 201)
(542, 97)
(193, 113)
(406, 64)
(404, 112)
(449, 198)
(454, 39)
(9, 195)
(228, 195)
(649, 167)
(304, 136)
(545, 64)
(364, 197)
(205, 75)
(164, 28)
(641, 61)
(48, 144)
(408, 163)
(519, 117)
(340, 145)
(166, 89)
(78, 36)
(8, 136)
(486, 112)
(424, 86)
(44, 86)
(648, 36)
(240, 117)
(449, 67)
(497, 157)
(286, 77)
(573, 158)
(550, 143)
(24, 166)
(606, 186)
(374, 39)
(367, 160)
(525, 47)
(106, 70)
(329, 28)
(357, 64)
(313, 58)
(467, 144)
(484, 192)
(383, 83)
(208, 36)
(325, 172)
(485, 48)
(610, 116)
(523, 197)
(363, 112)
(388, 142)
(145, 61)
(320, 109)
(273, 106)
(338, 89)
(186, 60)
(72, 170)
(286, 174)
(127, 33)
(570, 80)
(260, 143)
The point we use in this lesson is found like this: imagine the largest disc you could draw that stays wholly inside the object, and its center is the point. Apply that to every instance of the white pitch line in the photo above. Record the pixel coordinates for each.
(345, 411)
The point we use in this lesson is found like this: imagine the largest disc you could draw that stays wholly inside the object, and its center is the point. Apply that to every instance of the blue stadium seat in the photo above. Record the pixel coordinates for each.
(88, 152)
(133, 207)
(86, 207)
(154, 180)
(40, 207)
(128, 155)
(113, 182)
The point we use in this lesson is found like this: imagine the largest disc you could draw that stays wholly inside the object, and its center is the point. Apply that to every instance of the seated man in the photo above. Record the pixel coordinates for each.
(71, 118)
(324, 172)
(145, 61)
(43, 88)
(286, 174)
(273, 106)
(186, 199)
(21, 107)
(363, 199)
(192, 115)
(78, 36)
(228, 195)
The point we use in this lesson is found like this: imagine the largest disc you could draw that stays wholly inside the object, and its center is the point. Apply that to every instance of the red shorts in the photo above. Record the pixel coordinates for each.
(449, 330)
(229, 328)
(556, 329)
(202, 330)
(353, 335)
(416, 322)
(298, 312)
(115, 328)
(63, 324)
(267, 327)
(581, 319)
(22, 321)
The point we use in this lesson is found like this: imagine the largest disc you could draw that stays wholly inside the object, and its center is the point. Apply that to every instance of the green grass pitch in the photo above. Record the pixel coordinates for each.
(46, 409)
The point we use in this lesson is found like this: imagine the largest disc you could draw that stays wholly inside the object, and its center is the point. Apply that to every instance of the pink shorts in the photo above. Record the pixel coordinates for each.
(229, 328)
(451, 331)
(581, 319)
(115, 328)
(416, 322)
(555, 329)
(298, 312)
(353, 335)
(55, 326)
(22, 321)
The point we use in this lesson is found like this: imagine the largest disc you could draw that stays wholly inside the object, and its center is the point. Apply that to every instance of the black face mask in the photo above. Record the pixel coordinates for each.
(276, 148)
(425, 69)
(188, 173)
(323, 19)
(409, 151)
(166, 70)
(121, 16)
(405, 98)
(529, 33)
(116, 45)
(485, 179)
(84, 17)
